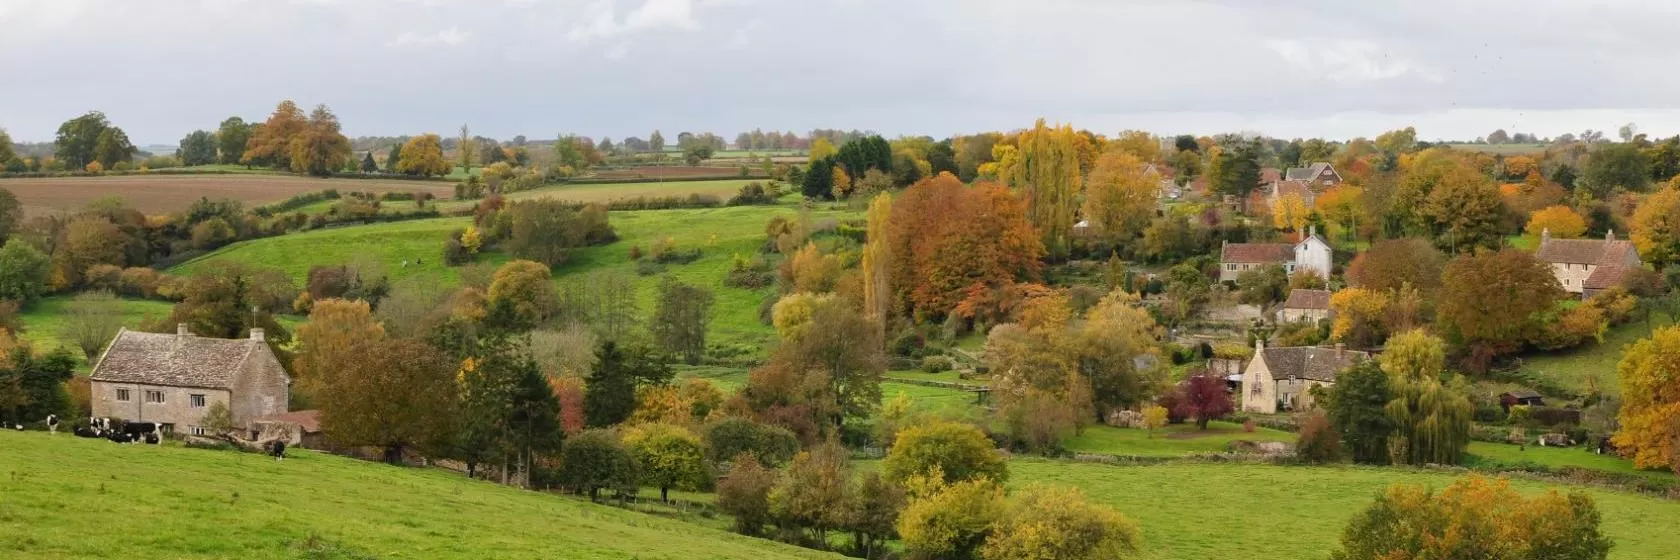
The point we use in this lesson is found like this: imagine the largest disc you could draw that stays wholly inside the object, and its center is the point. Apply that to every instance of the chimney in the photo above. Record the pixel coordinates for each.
(257, 335)
(1312, 231)
(181, 330)
(1259, 344)
(1545, 235)
(1609, 235)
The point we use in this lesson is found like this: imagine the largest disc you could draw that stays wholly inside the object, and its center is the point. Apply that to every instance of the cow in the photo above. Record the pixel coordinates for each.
(278, 450)
(52, 423)
(87, 432)
(149, 432)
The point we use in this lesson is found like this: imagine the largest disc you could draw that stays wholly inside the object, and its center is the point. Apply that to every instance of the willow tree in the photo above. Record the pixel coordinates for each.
(1046, 173)
(877, 262)
(1431, 415)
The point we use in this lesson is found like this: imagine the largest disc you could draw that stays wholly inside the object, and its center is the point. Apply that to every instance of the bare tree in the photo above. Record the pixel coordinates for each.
(92, 320)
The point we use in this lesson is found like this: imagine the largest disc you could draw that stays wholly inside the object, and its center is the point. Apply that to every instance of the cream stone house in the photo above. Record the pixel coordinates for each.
(1305, 305)
(1283, 378)
(173, 379)
(1588, 266)
(1312, 253)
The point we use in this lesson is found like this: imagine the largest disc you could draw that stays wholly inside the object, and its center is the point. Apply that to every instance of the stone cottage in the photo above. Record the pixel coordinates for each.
(1283, 378)
(173, 379)
(1305, 305)
(1312, 253)
(1588, 266)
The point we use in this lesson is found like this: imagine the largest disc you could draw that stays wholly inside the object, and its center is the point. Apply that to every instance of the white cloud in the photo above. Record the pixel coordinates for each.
(652, 15)
(451, 37)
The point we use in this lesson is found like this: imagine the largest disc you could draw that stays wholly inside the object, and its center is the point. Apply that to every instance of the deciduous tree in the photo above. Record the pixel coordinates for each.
(24, 271)
(423, 155)
(877, 263)
(1474, 518)
(231, 137)
(1490, 300)
(1431, 415)
(669, 457)
(1058, 522)
(270, 142)
(680, 315)
(1356, 407)
(1119, 197)
(336, 327)
(1203, 397)
(1466, 211)
(395, 394)
(1558, 221)
(1650, 400)
(92, 321)
(1047, 175)
(1359, 315)
(956, 452)
(745, 494)
(593, 460)
(198, 148)
(1393, 263)
(1656, 227)
(949, 520)
(948, 239)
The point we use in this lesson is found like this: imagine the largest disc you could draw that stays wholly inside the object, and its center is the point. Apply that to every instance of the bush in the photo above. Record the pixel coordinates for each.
(732, 437)
(454, 253)
(649, 268)
(936, 364)
(753, 193)
(1319, 442)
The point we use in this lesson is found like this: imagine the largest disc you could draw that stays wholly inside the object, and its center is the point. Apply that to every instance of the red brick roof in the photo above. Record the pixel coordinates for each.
(1269, 175)
(1257, 252)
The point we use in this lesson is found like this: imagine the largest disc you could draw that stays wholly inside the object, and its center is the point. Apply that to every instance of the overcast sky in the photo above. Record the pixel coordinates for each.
(1456, 69)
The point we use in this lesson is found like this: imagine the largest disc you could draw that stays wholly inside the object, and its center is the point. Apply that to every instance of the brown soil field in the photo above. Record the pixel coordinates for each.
(164, 194)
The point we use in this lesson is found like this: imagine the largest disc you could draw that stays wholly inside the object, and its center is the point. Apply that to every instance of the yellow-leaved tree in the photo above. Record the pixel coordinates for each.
(1359, 315)
(423, 156)
(1656, 227)
(1558, 221)
(1474, 518)
(1119, 197)
(877, 262)
(1289, 212)
(1651, 400)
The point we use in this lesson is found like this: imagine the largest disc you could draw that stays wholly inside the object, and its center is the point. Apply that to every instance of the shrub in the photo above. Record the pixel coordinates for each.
(1319, 442)
(957, 451)
(734, 436)
(936, 364)
(745, 494)
(649, 268)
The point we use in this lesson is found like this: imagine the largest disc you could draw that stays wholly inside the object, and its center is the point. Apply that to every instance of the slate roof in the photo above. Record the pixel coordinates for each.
(1603, 252)
(1257, 252)
(1309, 362)
(1307, 173)
(1307, 299)
(174, 360)
(1605, 277)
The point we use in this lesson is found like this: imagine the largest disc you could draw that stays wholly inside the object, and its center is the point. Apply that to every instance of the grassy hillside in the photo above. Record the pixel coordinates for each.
(1216, 511)
(1594, 362)
(43, 322)
(720, 233)
(65, 497)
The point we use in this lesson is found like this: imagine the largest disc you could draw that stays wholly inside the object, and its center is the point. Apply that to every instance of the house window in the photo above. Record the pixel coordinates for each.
(168, 429)
(154, 397)
(196, 401)
(197, 430)
(122, 395)
(1231, 266)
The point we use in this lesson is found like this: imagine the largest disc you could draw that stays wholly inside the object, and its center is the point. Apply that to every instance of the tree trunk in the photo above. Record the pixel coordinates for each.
(665, 494)
(594, 493)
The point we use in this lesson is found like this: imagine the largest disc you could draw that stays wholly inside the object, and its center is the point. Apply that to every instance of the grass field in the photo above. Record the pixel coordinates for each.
(1494, 455)
(1501, 149)
(164, 194)
(65, 497)
(1189, 511)
(43, 323)
(1171, 441)
(720, 233)
(1594, 362)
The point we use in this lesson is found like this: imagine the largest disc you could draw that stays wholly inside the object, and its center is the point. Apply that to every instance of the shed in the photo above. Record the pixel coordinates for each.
(1520, 397)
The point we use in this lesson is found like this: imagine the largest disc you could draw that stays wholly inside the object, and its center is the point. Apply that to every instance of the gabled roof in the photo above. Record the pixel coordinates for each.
(308, 420)
(174, 360)
(1604, 277)
(1307, 299)
(1603, 252)
(1269, 175)
(1257, 252)
(1301, 189)
(1309, 362)
(1307, 173)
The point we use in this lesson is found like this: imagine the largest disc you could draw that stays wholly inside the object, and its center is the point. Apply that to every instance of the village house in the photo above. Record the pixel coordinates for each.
(1588, 266)
(173, 379)
(300, 428)
(1319, 174)
(1305, 305)
(1283, 378)
(1312, 253)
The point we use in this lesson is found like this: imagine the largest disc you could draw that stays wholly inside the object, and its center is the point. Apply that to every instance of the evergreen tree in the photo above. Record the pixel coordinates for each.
(819, 180)
(1355, 405)
(392, 159)
(368, 165)
(610, 395)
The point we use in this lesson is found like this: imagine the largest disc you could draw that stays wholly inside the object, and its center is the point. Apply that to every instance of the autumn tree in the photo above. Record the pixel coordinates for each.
(1119, 197)
(680, 315)
(1046, 173)
(394, 394)
(1465, 209)
(1358, 316)
(1392, 263)
(745, 494)
(228, 299)
(1656, 227)
(873, 505)
(336, 327)
(1058, 522)
(1490, 299)
(1106, 346)
(321, 147)
(1289, 212)
(1203, 397)
(812, 491)
(1431, 414)
(1474, 518)
(1650, 400)
(669, 457)
(1561, 222)
(1346, 206)
(733, 436)
(958, 452)
(423, 155)
(1319, 442)
(949, 520)
(877, 263)
(611, 394)
(270, 142)
(1263, 286)
(522, 294)
(950, 240)
(844, 350)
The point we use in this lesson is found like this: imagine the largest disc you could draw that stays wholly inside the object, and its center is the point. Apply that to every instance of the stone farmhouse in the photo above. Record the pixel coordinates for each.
(1283, 378)
(1588, 266)
(1312, 253)
(1319, 174)
(1305, 305)
(173, 379)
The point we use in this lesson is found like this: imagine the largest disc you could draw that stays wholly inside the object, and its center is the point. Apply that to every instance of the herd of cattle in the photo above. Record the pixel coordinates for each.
(120, 432)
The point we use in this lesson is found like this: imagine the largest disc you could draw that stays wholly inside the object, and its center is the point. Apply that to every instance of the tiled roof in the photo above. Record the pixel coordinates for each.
(174, 360)
(1257, 252)
(1309, 362)
(1307, 173)
(1269, 175)
(1301, 189)
(1583, 251)
(1307, 299)
(1604, 277)
(309, 420)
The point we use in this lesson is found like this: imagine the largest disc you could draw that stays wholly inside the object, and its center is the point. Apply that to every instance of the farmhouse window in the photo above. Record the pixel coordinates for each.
(122, 395)
(154, 397)
(196, 401)
(197, 430)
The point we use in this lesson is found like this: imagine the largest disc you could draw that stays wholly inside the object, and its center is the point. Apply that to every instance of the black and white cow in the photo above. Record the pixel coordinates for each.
(52, 423)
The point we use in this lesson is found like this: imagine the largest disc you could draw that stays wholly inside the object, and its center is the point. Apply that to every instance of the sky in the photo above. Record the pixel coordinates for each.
(1455, 69)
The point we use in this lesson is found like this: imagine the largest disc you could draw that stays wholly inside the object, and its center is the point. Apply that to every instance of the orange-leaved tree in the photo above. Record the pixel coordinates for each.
(1651, 400)
(1474, 518)
(947, 238)
(1490, 301)
(1557, 221)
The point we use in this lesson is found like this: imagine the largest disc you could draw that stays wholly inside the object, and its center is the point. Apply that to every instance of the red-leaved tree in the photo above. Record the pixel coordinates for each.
(1203, 397)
